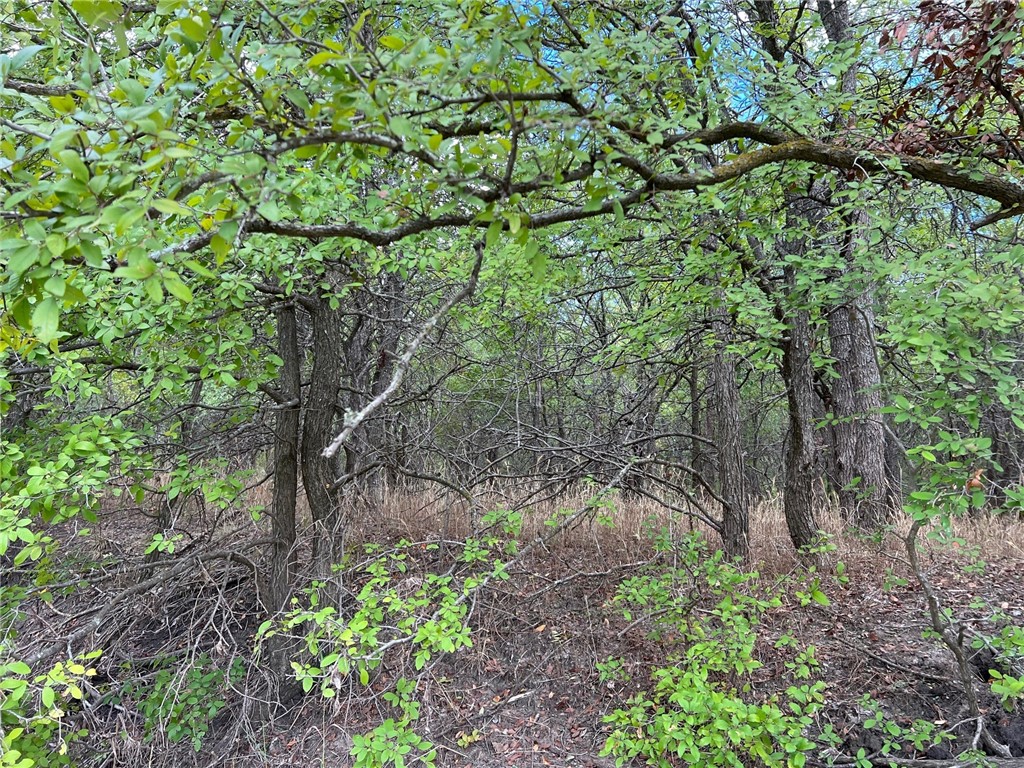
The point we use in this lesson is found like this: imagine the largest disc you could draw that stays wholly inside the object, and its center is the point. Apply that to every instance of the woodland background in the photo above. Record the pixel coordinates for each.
(511, 383)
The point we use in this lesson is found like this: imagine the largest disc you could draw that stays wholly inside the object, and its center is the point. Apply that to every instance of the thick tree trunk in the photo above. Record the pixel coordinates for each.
(858, 432)
(318, 428)
(802, 489)
(732, 471)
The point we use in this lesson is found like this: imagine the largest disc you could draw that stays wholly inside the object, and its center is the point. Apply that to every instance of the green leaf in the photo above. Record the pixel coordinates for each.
(98, 13)
(401, 127)
(538, 259)
(153, 289)
(391, 42)
(55, 286)
(168, 7)
(177, 288)
(45, 320)
(73, 163)
(140, 267)
(493, 232)
(270, 211)
(322, 58)
(24, 55)
(56, 243)
(198, 268)
(23, 259)
(194, 29)
(173, 207)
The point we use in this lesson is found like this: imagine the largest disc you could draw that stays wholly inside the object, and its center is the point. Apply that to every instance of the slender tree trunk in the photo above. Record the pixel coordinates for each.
(286, 461)
(282, 511)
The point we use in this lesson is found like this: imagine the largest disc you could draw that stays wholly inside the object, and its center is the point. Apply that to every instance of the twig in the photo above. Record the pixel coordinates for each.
(154, 581)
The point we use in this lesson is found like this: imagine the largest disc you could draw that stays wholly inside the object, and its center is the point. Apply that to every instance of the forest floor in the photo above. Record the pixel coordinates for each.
(528, 692)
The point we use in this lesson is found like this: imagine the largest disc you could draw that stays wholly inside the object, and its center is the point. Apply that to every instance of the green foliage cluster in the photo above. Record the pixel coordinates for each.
(395, 610)
(33, 728)
(702, 707)
(181, 700)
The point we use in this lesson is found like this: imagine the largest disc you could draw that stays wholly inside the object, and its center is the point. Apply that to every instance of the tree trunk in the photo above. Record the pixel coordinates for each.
(858, 433)
(286, 461)
(282, 511)
(802, 488)
(732, 471)
(318, 428)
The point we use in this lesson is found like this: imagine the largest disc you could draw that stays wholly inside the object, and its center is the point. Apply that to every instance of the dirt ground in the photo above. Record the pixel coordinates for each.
(528, 691)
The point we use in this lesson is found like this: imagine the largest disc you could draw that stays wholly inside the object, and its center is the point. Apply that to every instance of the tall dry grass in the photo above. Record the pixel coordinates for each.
(620, 530)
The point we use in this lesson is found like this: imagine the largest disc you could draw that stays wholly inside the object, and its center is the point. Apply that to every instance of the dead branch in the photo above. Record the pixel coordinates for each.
(951, 637)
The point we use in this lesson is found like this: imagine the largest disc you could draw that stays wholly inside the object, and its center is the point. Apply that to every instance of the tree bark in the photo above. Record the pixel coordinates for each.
(802, 489)
(319, 473)
(728, 423)
(858, 432)
(282, 511)
(286, 461)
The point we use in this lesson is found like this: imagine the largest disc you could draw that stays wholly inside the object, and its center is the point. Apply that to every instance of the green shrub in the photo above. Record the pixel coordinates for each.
(181, 703)
(700, 708)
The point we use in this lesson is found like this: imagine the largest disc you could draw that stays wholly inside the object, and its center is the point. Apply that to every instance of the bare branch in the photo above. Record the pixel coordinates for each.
(352, 421)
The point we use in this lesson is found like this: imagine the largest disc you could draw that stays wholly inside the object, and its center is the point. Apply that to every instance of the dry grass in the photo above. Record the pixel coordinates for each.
(617, 531)
(620, 530)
